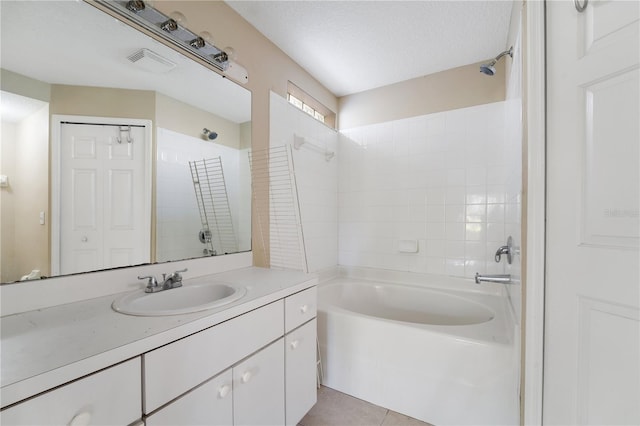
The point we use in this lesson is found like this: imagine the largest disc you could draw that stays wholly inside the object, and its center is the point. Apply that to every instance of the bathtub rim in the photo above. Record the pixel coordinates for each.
(499, 330)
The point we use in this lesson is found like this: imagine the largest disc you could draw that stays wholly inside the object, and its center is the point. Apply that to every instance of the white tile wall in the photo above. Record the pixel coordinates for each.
(442, 179)
(451, 181)
(177, 216)
(317, 179)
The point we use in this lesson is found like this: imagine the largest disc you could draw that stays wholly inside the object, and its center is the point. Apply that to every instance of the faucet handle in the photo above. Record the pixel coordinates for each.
(176, 275)
(505, 250)
(153, 282)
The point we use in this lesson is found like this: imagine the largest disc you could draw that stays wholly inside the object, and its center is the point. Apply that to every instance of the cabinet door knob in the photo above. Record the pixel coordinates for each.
(224, 390)
(81, 419)
(294, 344)
(246, 376)
(304, 309)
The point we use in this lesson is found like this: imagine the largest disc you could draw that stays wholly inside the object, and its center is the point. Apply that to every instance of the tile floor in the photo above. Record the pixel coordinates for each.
(338, 409)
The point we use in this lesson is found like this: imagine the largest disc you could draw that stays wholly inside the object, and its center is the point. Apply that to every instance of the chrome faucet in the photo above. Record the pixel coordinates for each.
(152, 284)
(170, 281)
(508, 249)
(500, 278)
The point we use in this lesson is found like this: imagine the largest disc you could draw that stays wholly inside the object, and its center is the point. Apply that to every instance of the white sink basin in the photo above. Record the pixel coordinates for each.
(181, 300)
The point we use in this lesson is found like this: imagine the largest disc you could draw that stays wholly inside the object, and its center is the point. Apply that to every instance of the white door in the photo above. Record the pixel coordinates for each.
(103, 204)
(592, 328)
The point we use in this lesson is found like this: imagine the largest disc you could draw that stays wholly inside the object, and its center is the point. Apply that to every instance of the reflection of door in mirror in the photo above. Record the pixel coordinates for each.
(102, 199)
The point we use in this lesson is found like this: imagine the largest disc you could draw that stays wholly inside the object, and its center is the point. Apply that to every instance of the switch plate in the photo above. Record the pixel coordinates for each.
(4, 181)
(41, 218)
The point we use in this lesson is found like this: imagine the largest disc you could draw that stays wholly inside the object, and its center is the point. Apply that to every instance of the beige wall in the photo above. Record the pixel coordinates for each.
(102, 102)
(8, 265)
(183, 118)
(451, 89)
(245, 135)
(25, 159)
(25, 86)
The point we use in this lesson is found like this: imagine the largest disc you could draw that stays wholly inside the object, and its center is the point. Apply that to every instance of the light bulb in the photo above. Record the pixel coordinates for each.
(197, 43)
(135, 5)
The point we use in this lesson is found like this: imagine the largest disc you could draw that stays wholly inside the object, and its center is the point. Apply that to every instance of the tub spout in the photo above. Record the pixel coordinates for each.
(503, 279)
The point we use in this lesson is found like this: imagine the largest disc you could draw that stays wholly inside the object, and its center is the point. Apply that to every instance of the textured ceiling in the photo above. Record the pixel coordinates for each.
(352, 46)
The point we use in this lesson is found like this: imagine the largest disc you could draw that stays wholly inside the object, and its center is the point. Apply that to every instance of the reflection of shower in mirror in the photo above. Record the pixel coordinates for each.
(208, 135)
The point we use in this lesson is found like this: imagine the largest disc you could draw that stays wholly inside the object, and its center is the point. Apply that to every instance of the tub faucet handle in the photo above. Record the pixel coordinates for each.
(508, 249)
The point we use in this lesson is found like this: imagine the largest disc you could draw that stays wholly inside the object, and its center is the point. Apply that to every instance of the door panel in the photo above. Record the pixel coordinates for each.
(592, 295)
(611, 196)
(605, 23)
(103, 202)
(120, 204)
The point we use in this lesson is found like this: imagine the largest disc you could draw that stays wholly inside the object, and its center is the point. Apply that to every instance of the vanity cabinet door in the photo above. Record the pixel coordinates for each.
(258, 392)
(300, 372)
(111, 396)
(208, 404)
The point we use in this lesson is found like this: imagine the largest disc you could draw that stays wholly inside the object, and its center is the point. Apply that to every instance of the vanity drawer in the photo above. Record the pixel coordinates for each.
(174, 369)
(300, 308)
(111, 396)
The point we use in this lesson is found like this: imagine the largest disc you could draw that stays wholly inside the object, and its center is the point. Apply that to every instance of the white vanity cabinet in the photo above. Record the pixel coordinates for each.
(110, 396)
(253, 364)
(268, 362)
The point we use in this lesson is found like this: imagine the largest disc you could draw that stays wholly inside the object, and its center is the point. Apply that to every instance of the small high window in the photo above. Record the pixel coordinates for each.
(306, 103)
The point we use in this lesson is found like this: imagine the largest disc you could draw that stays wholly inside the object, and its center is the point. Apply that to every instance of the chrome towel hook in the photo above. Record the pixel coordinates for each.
(127, 130)
(580, 7)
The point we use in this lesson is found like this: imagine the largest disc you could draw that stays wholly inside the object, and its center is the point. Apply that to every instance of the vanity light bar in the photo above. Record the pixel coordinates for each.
(168, 29)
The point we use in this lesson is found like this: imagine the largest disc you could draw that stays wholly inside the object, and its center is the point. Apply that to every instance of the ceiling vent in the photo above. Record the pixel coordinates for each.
(152, 62)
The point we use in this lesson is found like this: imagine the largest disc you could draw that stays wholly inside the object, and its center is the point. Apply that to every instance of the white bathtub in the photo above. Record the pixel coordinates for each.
(446, 357)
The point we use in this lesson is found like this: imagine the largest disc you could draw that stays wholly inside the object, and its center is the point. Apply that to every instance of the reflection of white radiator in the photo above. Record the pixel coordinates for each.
(213, 203)
(279, 200)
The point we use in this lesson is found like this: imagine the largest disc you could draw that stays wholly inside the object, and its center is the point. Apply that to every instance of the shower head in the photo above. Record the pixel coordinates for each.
(489, 69)
(208, 135)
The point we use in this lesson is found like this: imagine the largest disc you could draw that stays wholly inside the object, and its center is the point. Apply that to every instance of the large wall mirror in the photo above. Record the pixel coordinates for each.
(116, 150)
